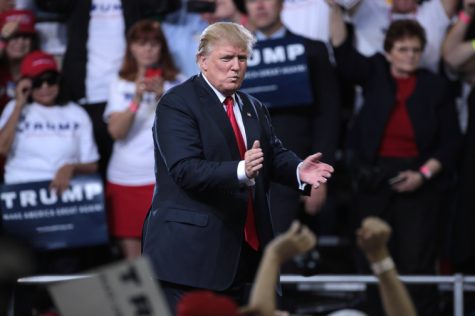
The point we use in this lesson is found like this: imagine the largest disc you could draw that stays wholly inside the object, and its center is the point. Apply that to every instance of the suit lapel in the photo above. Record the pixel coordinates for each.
(249, 119)
(209, 99)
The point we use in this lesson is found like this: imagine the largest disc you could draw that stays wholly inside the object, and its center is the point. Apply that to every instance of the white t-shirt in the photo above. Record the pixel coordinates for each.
(309, 18)
(47, 137)
(105, 48)
(132, 160)
(372, 19)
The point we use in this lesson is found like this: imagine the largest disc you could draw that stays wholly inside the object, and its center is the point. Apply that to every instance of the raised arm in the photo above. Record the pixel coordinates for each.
(338, 32)
(119, 122)
(351, 65)
(8, 131)
(456, 50)
(449, 6)
(298, 239)
(372, 239)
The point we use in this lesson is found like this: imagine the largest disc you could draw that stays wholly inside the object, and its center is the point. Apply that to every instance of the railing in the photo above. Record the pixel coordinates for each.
(458, 281)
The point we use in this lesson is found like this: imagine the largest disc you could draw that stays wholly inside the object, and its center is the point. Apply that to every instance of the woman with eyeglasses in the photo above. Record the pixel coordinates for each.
(42, 138)
(403, 144)
(146, 73)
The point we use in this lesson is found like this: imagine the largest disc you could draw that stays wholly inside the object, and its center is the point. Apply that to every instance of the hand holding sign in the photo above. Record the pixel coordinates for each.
(61, 179)
(76, 218)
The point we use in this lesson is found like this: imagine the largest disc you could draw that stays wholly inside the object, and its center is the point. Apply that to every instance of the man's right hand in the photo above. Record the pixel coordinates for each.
(253, 160)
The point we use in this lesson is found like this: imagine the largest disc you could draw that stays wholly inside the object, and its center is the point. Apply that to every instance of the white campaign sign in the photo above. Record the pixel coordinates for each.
(121, 289)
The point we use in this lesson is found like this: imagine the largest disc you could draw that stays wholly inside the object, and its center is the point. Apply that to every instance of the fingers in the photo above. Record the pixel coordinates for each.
(254, 160)
(58, 186)
(376, 224)
(55, 187)
(412, 181)
(373, 227)
(320, 178)
(315, 172)
(296, 240)
(314, 158)
(254, 163)
(294, 228)
(307, 239)
(140, 86)
(23, 88)
(325, 167)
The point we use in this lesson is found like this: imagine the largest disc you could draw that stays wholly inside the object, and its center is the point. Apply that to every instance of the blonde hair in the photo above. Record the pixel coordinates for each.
(227, 32)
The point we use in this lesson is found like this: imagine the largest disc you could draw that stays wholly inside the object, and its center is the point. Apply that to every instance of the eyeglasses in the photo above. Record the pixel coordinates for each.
(405, 50)
(50, 78)
(19, 35)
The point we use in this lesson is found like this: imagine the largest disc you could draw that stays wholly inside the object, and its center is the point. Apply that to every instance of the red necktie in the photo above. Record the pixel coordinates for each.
(250, 233)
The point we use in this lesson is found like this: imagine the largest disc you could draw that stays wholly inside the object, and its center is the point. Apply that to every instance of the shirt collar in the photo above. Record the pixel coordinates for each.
(220, 96)
(280, 33)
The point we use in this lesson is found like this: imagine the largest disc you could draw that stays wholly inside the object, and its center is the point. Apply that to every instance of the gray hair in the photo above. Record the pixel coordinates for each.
(227, 32)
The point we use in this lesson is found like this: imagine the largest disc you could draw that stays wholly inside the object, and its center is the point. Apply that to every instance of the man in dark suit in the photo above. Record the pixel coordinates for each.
(216, 153)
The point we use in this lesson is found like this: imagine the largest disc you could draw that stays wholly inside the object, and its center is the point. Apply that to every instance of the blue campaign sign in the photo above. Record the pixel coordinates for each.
(278, 73)
(77, 218)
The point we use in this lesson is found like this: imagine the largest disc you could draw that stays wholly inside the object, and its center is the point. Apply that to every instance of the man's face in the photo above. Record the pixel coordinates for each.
(225, 10)
(224, 66)
(404, 6)
(264, 14)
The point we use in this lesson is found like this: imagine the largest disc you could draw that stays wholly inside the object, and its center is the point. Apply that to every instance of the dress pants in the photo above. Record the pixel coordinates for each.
(413, 217)
(239, 290)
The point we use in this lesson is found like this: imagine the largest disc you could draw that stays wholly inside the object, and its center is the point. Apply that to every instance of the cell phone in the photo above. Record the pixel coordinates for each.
(347, 4)
(200, 6)
(396, 180)
(153, 72)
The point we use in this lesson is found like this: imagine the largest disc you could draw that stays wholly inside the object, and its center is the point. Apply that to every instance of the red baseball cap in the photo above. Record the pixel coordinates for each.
(206, 303)
(37, 62)
(23, 21)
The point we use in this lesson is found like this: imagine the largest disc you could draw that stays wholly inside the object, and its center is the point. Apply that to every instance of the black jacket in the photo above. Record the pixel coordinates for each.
(431, 110)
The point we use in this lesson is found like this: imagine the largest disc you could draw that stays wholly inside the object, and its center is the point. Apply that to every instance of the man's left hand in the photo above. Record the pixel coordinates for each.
(315, 172)
(253, 160)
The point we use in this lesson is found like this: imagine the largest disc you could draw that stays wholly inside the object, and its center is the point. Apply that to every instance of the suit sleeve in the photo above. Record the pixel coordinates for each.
(351, 64)
(178, 139)
(284, 162)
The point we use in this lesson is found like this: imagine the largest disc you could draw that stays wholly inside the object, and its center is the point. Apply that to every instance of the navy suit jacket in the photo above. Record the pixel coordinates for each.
(194, 231)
